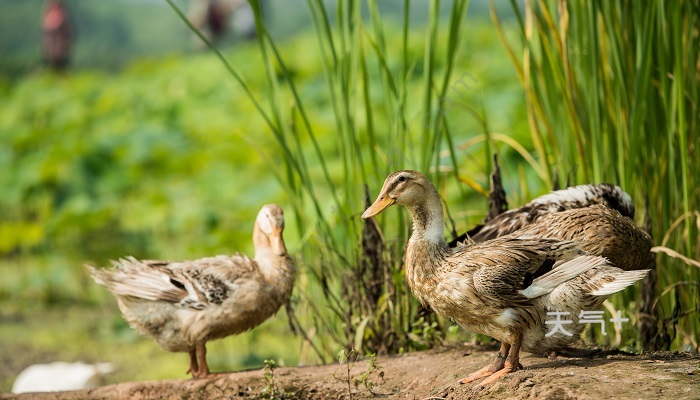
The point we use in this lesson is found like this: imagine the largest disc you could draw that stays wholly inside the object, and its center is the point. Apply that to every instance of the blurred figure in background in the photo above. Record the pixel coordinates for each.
(215, 18)
(57, 34)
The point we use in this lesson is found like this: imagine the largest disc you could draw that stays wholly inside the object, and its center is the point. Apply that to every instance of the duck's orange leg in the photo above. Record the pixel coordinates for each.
(203, 371)
(491, 369)
(511, 365)
(194, 367)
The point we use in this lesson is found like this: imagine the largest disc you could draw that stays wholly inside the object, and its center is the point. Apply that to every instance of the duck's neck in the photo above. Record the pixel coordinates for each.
(274, 263)
(427, 247)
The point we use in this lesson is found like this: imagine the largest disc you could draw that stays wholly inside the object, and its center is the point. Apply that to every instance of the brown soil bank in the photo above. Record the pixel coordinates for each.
(434, 375)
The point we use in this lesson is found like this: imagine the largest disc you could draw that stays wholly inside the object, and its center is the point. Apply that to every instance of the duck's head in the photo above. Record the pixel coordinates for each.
(270, 222)
(405, 188)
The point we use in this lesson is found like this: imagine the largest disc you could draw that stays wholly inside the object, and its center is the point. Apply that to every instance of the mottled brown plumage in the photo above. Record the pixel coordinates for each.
(499, 288)
(182, 305)
(601, 231)
(575, 197)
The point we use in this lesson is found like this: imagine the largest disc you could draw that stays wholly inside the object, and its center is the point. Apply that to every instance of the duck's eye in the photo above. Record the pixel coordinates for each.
(402, 178)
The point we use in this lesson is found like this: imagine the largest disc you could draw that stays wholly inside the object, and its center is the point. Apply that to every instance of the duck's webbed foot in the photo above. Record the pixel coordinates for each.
(497, 365)
(507, 368)
(512, 363)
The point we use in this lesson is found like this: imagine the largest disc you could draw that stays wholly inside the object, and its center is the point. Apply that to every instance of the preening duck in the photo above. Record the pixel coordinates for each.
(498, 288)
(601, 231)
(575, 197)
(185, 304)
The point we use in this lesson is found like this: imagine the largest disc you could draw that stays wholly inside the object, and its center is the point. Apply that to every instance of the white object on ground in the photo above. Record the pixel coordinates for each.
(59, 376)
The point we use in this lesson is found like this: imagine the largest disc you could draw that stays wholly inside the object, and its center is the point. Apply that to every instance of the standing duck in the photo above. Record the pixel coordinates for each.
(185, 304)
(497, 288)
(576, 197)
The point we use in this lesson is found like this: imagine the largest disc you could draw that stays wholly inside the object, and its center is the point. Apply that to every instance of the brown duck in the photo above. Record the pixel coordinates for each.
(573, 198)
(499, 288)
(601, 231)
(185, 304)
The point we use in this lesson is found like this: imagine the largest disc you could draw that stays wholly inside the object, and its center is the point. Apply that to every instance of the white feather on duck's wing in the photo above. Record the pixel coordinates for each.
(582, 196)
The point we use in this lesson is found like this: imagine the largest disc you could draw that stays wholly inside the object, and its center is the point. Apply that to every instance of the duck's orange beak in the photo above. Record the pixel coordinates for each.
(382, 202)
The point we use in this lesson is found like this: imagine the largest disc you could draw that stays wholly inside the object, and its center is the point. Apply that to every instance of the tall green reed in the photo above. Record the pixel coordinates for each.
(348, 262)
(612, 87)
(600, 84)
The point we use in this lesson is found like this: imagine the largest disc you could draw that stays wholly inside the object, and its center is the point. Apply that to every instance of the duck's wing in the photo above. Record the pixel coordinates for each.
(566, 199)
(601, 231)
(509, 271)
(194, 284)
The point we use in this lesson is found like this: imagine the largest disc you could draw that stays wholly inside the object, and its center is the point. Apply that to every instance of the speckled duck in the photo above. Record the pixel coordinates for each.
(501, 287)
(185, 304)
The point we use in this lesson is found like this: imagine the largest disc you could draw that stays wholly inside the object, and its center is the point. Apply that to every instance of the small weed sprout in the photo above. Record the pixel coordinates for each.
(365, 378)
(349, 357)
(271, 390)
(372, 377)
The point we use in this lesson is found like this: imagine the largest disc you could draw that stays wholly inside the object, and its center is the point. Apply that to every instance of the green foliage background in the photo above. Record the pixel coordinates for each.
(166, 159)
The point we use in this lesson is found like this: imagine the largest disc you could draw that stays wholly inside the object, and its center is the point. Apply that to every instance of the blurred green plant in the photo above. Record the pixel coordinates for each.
(271, 390)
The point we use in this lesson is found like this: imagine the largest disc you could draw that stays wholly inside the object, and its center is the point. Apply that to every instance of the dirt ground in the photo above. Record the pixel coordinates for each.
(434, 375)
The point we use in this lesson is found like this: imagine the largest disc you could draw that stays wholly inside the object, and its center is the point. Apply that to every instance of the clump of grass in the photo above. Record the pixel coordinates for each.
(349, 263)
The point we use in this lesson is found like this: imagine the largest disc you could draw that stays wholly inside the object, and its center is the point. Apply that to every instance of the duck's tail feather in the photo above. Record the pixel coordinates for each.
(134, 278)
(618, 281)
